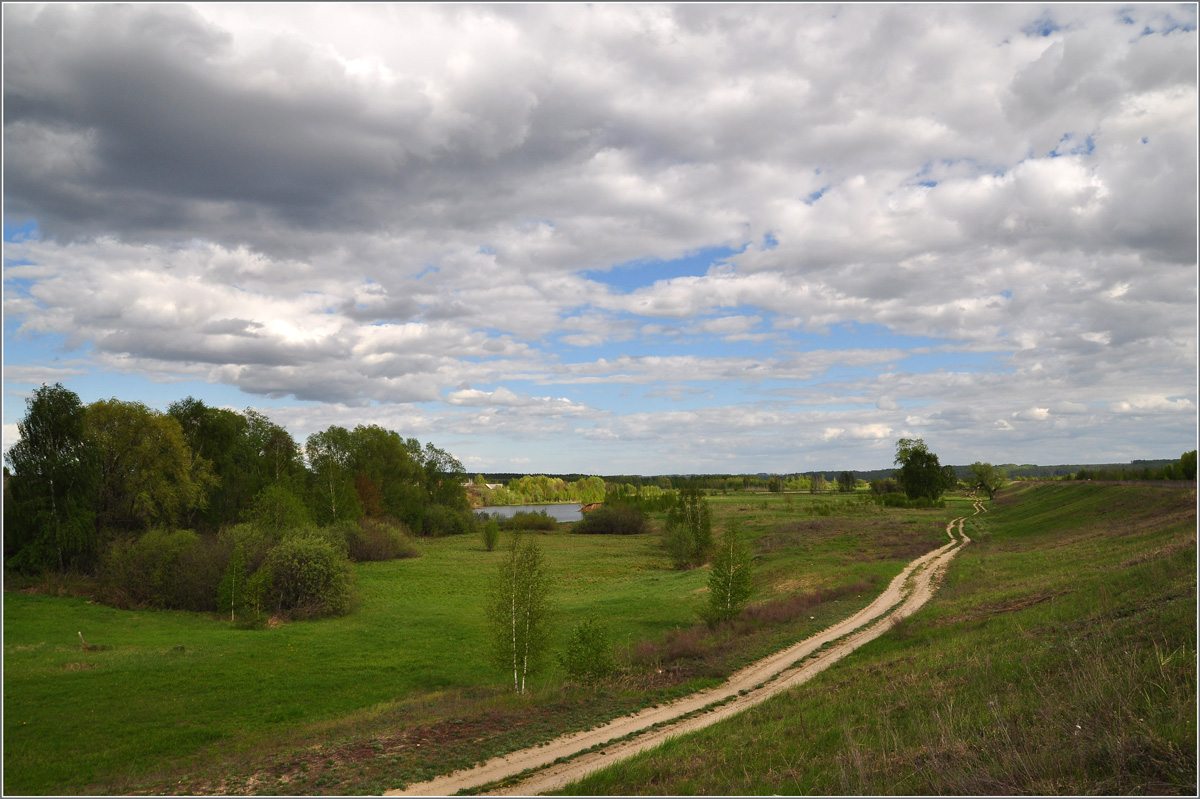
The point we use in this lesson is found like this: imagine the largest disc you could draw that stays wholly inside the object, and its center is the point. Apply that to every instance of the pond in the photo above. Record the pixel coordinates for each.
(567, 512)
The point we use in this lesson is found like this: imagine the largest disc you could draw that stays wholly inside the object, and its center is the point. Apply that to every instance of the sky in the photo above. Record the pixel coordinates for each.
(616, 238)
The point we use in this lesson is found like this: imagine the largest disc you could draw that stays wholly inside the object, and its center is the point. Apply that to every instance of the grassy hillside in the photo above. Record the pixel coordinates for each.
(401, 689)
(1059, 657)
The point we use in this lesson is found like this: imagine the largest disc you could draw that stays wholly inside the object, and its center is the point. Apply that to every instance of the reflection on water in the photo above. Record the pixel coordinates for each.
(563, 513)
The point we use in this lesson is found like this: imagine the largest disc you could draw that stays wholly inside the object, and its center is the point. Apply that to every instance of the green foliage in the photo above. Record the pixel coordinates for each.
(588, 657)
(164, 569)
(730, 581)
(276, 510)
(1187, 466)
(490, 531)
(379, 540)
(885, 485)
(518, 611)
(440, 520)
(334, 497)
(920, 474)
(148, 474)
(529, 520)
(987, 477)
(1183, 469)
(902, 501)
(536, 489)
(688, 534)
(48, 512)
(846, 482)
(309, 577)
(619, 520)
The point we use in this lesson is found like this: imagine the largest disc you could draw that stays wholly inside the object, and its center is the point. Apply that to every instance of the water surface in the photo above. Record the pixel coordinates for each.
(568, 512)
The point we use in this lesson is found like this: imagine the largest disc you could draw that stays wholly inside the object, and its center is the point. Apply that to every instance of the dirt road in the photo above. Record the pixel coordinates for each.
(907, 592)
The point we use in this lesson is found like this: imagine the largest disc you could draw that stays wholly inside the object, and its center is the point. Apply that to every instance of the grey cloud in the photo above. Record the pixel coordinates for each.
(409, 199)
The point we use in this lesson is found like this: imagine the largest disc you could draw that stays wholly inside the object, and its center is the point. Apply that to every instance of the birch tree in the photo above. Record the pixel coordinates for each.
(729, 582)
(519, 611)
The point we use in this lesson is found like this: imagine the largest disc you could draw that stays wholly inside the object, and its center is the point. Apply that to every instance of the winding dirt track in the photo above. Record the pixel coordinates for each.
(757, 682)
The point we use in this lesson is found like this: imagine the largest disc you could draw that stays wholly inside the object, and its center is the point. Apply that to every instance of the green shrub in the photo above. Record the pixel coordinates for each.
(309, 577)
(589, 654)
(621, 520)
(530, 520)
(688, 535)
(491, 534)
(337, 535)
(440, 520)
(168, 569)
(380, 539)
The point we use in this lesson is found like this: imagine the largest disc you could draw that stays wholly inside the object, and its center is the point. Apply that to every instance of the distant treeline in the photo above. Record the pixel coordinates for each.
(761, 481)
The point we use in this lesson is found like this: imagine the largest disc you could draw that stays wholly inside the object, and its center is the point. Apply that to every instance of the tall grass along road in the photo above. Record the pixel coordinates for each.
(593, 749)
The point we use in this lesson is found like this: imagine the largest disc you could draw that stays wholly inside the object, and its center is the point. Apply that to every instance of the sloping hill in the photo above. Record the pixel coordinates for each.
(1059, 657)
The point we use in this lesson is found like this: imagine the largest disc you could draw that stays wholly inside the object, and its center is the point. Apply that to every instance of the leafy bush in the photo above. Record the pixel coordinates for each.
(167, 569)
(621, 520)
(589, 654)
(309, 577)
(440, 520)
(530, 520)
(491, 534)
(337, 535)
(688, 535)
(380, 539)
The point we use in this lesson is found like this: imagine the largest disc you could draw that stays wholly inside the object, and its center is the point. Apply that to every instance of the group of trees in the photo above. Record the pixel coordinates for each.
(537, 489)
(117, 488)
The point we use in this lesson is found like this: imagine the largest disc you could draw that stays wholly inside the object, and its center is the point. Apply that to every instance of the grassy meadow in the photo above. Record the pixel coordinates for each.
(1058, 657)
(401, 688)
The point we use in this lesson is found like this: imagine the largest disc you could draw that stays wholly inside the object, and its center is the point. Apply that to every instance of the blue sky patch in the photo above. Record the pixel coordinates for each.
(1043, 26)
(21, 231)
(633, 275)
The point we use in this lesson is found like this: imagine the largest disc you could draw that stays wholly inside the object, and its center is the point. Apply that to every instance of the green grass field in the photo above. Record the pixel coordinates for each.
(401, 688)
(1059, 657)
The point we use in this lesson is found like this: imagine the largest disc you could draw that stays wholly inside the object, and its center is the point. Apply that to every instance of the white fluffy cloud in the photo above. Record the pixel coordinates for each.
(376, 207)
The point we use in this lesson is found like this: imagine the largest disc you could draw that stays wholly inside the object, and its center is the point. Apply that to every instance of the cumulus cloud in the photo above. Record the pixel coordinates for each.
(371, 207)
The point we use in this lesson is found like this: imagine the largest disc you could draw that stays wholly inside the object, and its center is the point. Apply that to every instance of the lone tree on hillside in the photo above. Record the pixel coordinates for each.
(987, 477)
(519, 611)
(919, 474)
(729, 583)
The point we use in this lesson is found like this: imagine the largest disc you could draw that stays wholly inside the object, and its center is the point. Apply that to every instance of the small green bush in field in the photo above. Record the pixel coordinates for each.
(309, 578)
(491, 534)
(589, 653)
(620, 520)
(530, 520)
